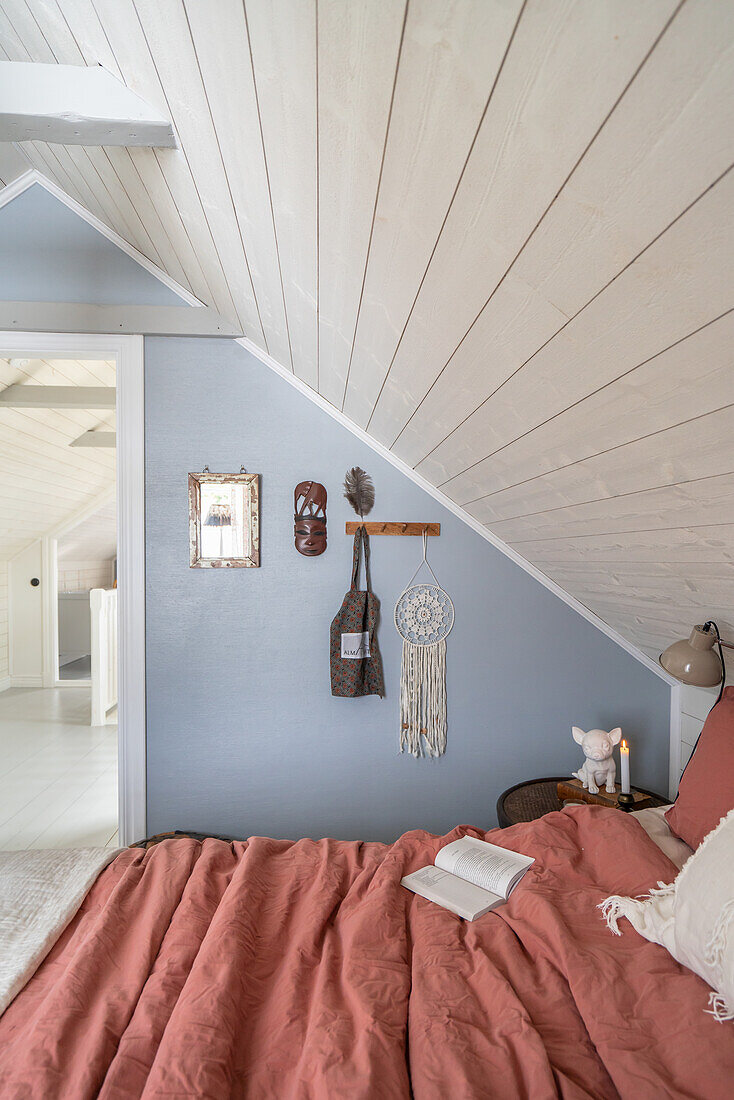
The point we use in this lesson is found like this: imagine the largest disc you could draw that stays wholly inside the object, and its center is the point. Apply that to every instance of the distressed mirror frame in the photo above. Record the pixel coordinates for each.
(252, 483)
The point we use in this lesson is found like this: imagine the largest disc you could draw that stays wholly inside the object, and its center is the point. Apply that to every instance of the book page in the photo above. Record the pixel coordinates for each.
(483, 864)
(458, 895)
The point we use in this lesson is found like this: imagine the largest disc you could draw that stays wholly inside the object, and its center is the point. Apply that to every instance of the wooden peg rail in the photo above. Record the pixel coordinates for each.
(394, 528)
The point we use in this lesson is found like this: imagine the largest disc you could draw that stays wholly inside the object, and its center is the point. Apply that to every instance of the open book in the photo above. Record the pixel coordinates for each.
(469, 877)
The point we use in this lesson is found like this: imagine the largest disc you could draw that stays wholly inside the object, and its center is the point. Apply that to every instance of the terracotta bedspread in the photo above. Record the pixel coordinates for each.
(282, 970)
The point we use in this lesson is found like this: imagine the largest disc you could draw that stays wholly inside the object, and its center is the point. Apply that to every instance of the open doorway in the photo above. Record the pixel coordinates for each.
(68, 777)
(57, 436)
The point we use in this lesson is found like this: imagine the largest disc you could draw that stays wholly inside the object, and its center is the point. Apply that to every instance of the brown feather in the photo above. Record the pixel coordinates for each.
(359, 491)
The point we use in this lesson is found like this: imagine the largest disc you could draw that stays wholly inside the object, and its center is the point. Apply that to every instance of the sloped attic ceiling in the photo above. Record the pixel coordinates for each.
(46, 481)
(497, 235)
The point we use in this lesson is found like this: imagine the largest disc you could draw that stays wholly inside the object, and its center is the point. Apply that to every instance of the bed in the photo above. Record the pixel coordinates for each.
(272, 968)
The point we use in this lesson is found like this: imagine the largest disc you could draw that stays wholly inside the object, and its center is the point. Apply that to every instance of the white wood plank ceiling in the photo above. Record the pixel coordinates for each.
(44, 480)
(92, 540)
(496, 234)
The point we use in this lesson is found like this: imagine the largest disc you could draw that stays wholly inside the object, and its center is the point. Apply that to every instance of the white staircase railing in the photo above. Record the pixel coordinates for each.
(103, 611)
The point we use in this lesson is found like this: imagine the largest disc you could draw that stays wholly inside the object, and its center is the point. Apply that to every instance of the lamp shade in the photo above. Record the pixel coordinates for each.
(693, 660)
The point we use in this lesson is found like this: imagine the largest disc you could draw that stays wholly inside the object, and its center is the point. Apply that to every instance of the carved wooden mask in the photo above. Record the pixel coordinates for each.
(309, 504)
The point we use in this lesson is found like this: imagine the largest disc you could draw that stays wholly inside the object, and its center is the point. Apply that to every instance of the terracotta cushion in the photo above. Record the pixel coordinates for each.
(706, 791)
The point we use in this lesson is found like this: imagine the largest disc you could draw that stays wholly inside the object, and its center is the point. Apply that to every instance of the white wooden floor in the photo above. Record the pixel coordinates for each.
(58, 774)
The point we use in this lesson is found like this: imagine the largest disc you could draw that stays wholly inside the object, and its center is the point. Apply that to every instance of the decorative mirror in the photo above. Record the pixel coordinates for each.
(224, 520)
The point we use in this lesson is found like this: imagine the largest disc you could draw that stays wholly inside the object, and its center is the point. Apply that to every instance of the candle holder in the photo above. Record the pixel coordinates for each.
(625, 802)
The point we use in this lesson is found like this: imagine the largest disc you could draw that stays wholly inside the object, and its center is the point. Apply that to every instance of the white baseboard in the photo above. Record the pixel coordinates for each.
(5, 683)
(26, 681)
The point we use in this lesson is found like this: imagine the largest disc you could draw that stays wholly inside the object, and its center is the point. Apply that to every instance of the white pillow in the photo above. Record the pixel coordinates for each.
(693, 917)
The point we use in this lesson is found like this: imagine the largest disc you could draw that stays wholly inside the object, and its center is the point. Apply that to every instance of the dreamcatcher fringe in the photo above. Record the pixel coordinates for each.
(423, 699)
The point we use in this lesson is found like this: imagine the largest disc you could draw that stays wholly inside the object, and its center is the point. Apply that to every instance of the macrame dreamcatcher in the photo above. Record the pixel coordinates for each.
(424, 616)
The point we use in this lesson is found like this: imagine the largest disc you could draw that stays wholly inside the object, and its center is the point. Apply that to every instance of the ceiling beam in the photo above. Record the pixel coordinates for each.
(95, 439)
(122, 320)
(58, 397)
(75, 105)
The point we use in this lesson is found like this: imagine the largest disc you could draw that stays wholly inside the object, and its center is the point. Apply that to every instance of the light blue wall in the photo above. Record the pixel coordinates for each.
(243, 734)
(49, 254)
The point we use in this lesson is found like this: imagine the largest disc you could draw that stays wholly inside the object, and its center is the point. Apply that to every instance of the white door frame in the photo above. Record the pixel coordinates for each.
(127, 351)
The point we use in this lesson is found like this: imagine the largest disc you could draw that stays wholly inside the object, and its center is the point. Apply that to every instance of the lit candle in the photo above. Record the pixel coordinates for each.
(624, 757)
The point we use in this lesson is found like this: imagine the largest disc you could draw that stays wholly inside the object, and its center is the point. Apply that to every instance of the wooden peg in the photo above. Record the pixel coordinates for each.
(396, 528)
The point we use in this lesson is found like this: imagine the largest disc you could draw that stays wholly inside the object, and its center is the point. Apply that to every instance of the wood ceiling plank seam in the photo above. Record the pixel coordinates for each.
(355, 87)
(215, 295)
(143, 164)
(686, 306)
(449, 62)
(270, 196)
(31, 494)
(33, 460)
(82, 422)
(684, 557)
(648, 395)
(527, 516)
(688, 552)
(133, 187)
(46, 160)
(522, 248)
(565, 325)
(24, 476)
(180, 195)
(242, 302)
(377, 194)
(625, 531)
(95, 48)
(677, 456)
(665, 603)
(66, 50)
(20, 50)
(19, 445)
(100, 377)
(15, 420)
(663, 144)
(146, 168)
(619, 495)
(263, 245)
(441, 228)
(601, 454)
(409, 377)
(690, 210)
(684, 501)
(13, 49)
(77, 374)
(658, 634)
(81, 18)
(282, 37)
(59, 505)
(13, 162)
(38, 47)
(226, 174)
(647, 571)
(245, 173)
(673, 625)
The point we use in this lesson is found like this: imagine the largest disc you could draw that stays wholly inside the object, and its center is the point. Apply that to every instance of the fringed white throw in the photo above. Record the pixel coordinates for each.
(424, 616)
(693, 917)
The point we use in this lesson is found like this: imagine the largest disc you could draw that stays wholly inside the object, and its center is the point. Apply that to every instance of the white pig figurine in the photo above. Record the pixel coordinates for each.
(599, 766)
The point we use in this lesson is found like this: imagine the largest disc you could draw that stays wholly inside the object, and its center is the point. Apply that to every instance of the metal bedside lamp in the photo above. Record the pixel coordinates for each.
(694, 661)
